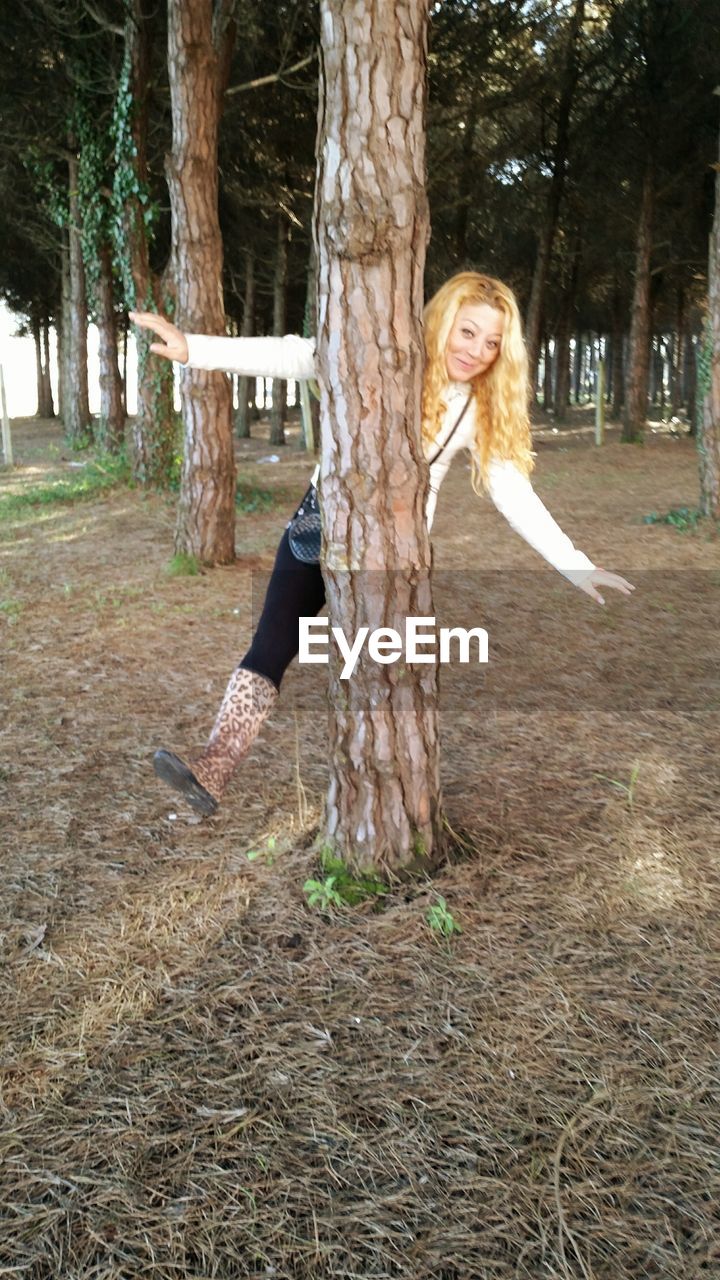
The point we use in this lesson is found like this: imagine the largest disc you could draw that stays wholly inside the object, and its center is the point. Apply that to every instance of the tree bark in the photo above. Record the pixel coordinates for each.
(48, 405)
(562, 342)
(638, 363)
(154, 430)
(533, 324)
(383, 807)
(77, 420)
(708, 434)
(63, 326)
(279, 391)
(111, 432)
(242, 416)
(37, 338)
(206, 513)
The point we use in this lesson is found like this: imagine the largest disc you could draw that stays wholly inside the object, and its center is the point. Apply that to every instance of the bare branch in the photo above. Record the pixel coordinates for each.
(277, 75)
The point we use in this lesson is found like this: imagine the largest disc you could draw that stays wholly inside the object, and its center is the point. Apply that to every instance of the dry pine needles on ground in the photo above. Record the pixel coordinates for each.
(203, 1077)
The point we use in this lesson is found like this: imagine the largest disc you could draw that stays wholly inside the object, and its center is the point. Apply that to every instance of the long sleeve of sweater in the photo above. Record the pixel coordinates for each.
(287, 357)
(515, 498)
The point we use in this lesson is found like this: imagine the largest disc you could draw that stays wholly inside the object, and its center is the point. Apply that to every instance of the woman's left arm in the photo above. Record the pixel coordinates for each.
(518, 502)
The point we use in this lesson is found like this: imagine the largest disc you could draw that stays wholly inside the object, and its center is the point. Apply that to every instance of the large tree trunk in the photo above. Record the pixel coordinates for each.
(242, 416)
(63, 327)
(112, 417)
(78, 424)
(534, 320)
(206, 512)
(279, 392)
(154, 429)
(383, 807)
(638, 362)
(708, 433)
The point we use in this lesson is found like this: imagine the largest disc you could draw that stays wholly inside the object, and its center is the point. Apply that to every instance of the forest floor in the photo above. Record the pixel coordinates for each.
(203, 1076)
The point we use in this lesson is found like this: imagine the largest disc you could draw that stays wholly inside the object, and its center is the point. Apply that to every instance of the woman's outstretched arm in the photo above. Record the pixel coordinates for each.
(287, 357)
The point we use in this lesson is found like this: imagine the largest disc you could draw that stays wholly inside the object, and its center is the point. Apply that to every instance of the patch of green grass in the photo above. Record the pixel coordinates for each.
(339, 887)
(249, 497)
(683, 519)
(183, 565)
(92, 480)
(10, 609)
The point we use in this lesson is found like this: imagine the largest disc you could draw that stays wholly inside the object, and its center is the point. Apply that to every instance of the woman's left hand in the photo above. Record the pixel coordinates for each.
(594, 578)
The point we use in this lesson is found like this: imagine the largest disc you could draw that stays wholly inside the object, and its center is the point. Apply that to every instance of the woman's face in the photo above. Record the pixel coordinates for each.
(474, 341)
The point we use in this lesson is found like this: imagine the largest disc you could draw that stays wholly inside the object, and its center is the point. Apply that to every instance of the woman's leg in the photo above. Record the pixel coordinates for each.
(295, 590)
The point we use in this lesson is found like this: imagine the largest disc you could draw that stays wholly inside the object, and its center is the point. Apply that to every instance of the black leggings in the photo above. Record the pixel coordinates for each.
(295, 590)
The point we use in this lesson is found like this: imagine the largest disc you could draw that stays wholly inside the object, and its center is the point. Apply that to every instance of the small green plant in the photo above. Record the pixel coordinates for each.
(339, 886)
(183, 565)
(268, 853)
(441, 920)
(10, 609)
(628, 788)
(683, 519)
(322, 893)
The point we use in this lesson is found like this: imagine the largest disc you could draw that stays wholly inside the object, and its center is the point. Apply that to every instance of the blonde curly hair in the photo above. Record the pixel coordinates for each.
(501, 394)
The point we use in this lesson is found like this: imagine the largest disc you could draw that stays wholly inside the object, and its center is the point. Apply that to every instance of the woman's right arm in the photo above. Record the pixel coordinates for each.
(288, 357)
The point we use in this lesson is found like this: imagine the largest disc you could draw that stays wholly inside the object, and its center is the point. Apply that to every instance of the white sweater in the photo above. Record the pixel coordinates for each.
(511, 491)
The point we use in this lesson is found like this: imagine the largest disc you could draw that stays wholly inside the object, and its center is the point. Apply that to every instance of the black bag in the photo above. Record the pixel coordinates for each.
(305, 529)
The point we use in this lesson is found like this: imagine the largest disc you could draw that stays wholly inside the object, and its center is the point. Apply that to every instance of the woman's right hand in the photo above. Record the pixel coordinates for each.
(174, 343)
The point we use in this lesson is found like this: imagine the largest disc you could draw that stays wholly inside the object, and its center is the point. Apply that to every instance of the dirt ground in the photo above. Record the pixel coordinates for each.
(204, 1077)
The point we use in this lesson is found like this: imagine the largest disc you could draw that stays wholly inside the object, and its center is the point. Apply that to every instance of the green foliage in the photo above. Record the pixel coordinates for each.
(441, 920)
(250, 498)
(96, 477)
(130, 197)
(682, 518)
(268, 854)
(627, 788)
(340, 887)
(183, 565)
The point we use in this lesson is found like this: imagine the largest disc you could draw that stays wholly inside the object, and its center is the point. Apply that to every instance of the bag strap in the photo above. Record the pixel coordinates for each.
(445, 443)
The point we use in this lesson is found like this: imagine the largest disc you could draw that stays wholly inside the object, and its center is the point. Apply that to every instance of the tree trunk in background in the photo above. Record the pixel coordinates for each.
(638, 363)
(618, 346)
(206, 512)
(533, 323)
(562, 341)
(63, 326)
(577, 367)
(279, 391)
(678, 354)
(78, 424)
(47, 381)
(547, 376)
(35, 324)
(154, 428)
(111, 432)
(708, 418)
(372, 225)
(242, 415)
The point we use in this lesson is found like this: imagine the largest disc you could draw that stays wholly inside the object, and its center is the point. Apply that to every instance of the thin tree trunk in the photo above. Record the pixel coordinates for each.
(618, 347)
(49, 407)
(678, 354)
(533, 324)
(547, 375)
(154, 428)
(383, 807)
(562, 341)
(37, 338)
(78, 424)
(692, 396)
(638, 365)
(708, 435)
(112, 418)
(242, 416)
(279, 391)
(206, 512)
(63, 327)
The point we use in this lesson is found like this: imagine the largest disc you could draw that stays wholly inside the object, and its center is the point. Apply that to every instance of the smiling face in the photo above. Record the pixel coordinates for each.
(474, 342)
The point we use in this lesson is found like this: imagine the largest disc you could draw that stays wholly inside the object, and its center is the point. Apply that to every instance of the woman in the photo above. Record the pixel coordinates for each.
(475, 397)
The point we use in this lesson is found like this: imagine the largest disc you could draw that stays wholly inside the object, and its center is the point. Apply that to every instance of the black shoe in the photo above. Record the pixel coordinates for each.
(176, 773)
